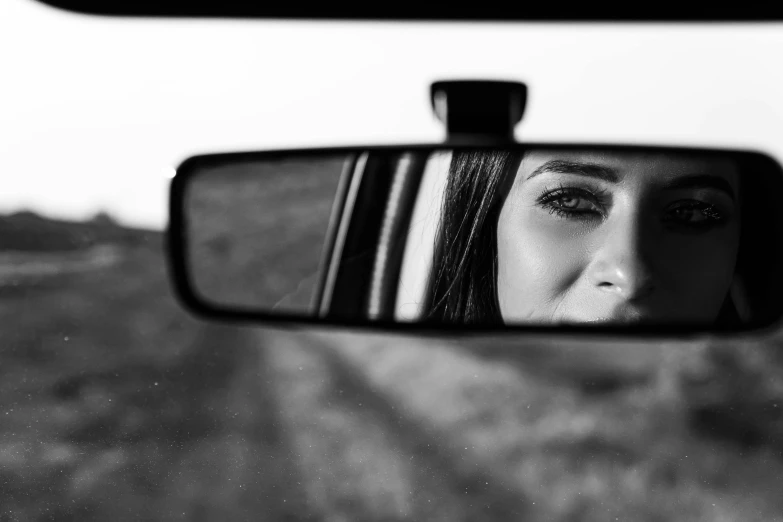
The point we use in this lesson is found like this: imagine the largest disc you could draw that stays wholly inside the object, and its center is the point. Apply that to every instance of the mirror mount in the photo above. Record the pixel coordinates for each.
(479, 112)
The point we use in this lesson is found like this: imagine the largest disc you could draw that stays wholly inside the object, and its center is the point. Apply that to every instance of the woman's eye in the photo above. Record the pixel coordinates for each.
(571, 203)
(575, 203)
(693, 214)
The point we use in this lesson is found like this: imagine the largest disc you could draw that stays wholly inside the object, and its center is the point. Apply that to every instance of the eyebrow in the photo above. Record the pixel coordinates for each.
(604, 173)
(591, 170)
(702, 181)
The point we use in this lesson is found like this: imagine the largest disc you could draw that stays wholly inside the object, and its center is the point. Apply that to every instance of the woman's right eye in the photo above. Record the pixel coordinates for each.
(572, 203)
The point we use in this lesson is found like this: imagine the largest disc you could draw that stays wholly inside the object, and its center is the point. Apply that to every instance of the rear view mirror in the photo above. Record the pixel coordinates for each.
(480, 237)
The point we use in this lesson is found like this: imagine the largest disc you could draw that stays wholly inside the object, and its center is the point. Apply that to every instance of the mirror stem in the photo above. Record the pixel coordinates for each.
(479, 111)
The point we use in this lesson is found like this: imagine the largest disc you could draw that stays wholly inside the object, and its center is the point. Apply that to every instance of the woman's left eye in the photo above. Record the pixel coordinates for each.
(693, 214)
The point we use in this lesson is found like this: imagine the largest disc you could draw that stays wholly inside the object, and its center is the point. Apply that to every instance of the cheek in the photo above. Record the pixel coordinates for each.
(539, 259)
(700, 270)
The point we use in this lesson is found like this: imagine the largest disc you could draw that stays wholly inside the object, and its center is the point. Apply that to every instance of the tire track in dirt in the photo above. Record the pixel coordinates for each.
(575, 452)
(26, 268)
(364, 458)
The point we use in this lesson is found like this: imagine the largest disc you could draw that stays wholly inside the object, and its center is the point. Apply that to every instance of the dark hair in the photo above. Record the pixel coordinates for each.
(760, 255)
(463, 281)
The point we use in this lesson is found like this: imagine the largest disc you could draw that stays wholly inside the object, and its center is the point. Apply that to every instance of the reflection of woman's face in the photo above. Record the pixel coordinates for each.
(594, 236)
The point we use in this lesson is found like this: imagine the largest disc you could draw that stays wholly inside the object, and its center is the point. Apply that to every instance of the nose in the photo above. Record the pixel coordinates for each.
(621, 264)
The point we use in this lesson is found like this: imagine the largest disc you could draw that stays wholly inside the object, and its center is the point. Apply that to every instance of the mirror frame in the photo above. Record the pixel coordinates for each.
(184, 289)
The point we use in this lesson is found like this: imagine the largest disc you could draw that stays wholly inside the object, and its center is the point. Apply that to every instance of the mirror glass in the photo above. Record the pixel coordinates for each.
(523, 235)
(256, 230)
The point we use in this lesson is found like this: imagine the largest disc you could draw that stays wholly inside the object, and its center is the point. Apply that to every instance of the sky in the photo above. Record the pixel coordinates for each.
(95, 112)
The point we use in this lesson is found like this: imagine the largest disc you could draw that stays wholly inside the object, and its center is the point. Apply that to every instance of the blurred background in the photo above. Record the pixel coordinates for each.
(117, 404)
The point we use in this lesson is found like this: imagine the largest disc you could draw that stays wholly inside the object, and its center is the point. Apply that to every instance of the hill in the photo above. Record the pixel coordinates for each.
(30, 232)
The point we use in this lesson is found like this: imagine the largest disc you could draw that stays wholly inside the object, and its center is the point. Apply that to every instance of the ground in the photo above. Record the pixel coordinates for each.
(117, 404)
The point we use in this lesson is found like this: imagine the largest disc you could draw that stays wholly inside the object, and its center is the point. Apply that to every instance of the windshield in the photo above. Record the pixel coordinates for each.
(116, 403)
